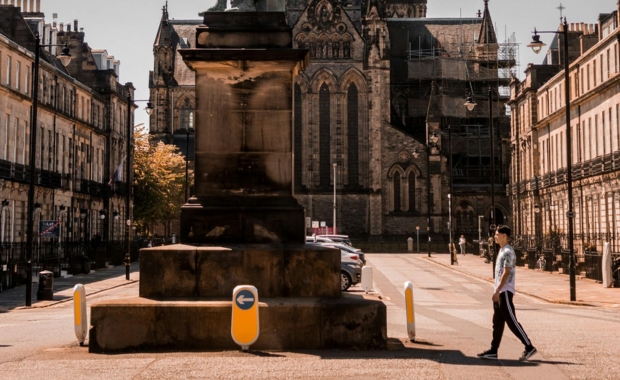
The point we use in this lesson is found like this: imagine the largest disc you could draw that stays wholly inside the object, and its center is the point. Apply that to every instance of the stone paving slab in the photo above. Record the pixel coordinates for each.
(552, 287)
(95, 282)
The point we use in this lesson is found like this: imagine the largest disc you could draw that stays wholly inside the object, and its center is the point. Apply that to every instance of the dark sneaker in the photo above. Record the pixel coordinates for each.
(528, 353)
(488, 354)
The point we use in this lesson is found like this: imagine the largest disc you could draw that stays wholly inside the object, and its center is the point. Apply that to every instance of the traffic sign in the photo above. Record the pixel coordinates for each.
(245, 325)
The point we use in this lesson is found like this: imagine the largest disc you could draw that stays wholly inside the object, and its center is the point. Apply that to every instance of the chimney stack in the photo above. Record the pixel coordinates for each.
(62, 26)
(75, 25)
(38, 7)
(68, 27)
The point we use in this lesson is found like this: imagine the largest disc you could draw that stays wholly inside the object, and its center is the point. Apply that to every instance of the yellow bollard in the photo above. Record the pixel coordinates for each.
(245, 327)
(410, 310)
(80, 318)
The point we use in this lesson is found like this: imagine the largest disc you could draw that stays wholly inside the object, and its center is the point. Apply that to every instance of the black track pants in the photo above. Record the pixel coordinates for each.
(504, 313)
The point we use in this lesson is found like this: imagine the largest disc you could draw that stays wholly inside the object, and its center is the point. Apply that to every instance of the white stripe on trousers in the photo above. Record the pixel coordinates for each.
(514, 320)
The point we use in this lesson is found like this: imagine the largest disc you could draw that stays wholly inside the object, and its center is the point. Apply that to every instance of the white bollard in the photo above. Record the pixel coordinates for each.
(410, 244)
(367, 278)
(80, 318)
(410, 311)
(608, 278)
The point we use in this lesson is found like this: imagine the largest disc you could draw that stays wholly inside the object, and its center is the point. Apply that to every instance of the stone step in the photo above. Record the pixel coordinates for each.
(141, 324)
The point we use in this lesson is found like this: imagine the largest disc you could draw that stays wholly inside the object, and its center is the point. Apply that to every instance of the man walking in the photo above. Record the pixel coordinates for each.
(503, 308)
(462, 244)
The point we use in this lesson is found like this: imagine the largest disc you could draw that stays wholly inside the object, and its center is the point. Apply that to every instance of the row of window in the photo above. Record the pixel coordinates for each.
(595, 213)
(17, 75)
(590, 74)
(73, 227)
(56, 150)
(597, 135)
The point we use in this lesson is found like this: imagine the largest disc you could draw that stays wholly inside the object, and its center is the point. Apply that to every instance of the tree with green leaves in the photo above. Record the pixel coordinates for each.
(159, 182)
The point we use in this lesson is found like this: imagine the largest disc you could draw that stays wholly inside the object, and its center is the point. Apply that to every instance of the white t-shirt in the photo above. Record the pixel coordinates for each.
(462, 240)
(506, 258)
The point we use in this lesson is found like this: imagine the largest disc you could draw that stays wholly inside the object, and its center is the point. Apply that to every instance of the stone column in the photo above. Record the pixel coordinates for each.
(244, 65)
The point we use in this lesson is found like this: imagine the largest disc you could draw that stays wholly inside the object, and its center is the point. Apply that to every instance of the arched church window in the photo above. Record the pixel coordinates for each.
(397, 192)
(335, 50)
(324, 136)
(353, 135)
(187, 115)
(412, 190)
(346, 47)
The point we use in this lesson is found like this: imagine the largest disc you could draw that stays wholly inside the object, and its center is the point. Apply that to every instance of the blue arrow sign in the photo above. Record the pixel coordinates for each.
(245, 300)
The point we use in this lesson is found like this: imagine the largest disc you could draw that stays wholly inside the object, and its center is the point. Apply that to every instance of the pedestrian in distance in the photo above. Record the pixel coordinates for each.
(462, 244)
(503, 308)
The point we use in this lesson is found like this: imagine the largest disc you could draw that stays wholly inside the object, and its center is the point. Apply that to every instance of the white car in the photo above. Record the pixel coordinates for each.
(317, 239)
(341, 239)
(349, 249)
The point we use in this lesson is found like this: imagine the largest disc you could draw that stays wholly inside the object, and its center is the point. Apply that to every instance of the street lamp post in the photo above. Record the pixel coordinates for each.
(451, 192)
(129, 166)
(335, 168)
(470, 104)
(65, 58)
(187, 165)
(450, 228)
(433, 138)
(492, 220)
(536, 46)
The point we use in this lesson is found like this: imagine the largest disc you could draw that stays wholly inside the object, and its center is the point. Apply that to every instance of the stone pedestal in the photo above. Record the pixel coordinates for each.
(185, 302)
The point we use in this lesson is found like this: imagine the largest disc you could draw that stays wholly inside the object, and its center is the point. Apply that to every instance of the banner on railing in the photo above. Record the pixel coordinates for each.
(49, 228)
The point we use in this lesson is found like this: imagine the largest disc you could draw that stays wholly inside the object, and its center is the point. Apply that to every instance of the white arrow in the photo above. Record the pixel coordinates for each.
(241, 300)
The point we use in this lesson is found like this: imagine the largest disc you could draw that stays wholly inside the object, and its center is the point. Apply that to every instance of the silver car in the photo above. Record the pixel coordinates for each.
(350, 271)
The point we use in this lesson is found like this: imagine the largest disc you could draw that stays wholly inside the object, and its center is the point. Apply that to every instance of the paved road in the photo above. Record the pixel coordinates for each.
(453, 312)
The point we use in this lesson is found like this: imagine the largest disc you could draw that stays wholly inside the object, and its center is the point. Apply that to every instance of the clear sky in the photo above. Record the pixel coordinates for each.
(127, 28)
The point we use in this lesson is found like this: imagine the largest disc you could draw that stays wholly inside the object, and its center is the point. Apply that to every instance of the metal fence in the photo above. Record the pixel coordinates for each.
(593, 265)
(615, 267)
(67, 257)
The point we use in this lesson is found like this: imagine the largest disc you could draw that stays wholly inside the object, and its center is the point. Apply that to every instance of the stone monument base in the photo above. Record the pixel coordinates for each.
(142, 324)
(242, 220)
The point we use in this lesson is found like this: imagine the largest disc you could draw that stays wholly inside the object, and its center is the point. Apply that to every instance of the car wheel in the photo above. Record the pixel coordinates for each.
(345, 281)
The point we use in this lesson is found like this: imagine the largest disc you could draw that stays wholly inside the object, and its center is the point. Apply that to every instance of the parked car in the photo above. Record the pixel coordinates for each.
(343, 239)
(349, 249)
(317, 239)
(350, 270)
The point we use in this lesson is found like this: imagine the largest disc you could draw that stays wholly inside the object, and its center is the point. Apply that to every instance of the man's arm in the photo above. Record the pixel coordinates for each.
(502, 282)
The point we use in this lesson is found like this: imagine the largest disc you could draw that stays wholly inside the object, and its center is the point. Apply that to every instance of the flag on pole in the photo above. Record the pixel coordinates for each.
(118, 174)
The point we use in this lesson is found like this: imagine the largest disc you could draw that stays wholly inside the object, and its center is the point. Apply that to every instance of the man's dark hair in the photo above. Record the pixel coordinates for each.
(504, 230)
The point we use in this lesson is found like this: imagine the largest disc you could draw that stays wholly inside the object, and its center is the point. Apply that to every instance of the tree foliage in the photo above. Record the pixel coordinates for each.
(159, 181)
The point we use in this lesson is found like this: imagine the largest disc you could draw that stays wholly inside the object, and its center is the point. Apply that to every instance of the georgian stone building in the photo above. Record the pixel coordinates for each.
(383, 80)
(82, 129)
(538, 187)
